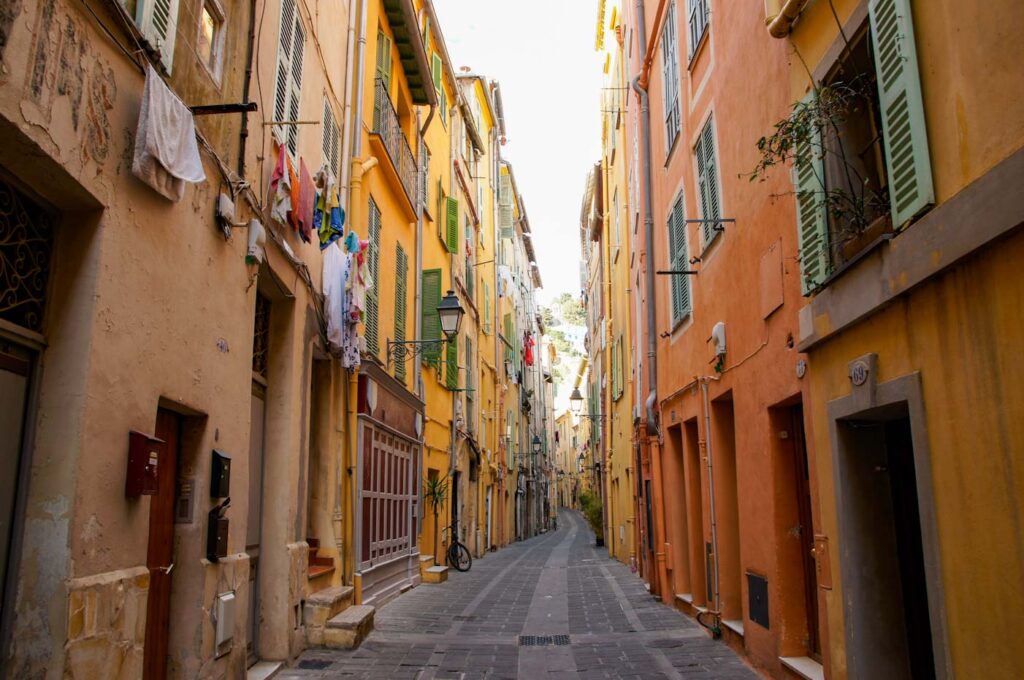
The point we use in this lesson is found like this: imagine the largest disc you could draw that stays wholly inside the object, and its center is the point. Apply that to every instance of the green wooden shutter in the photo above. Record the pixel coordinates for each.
(707, 172)
(453, 225)
(401, 272)
(371, 320)
(452, 366)
(487, 308)
(505, 206)
(436, 70)
(431, 322)
(384, 59)
(678, 260)
(811, 211)
(907, 158)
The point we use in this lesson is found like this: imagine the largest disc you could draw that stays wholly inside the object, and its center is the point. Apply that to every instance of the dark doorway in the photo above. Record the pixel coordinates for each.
(887, 608)
(15, 375)
(806, 519)
(160, 554)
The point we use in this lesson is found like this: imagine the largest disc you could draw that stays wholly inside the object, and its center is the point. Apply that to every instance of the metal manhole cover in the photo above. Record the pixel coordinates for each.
(314, 664)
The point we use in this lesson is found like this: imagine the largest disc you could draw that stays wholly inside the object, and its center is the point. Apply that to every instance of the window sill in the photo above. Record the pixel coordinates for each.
(672, 148)
(804, 666)
(699, 49)
(734, 626)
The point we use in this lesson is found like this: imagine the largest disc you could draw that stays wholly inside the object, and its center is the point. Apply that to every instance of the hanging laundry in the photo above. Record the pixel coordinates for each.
(528, 350)
(329, 218)
(281, 189)
(307, 199)
(293, 216)
(333, 286)
(352, 242)
(166, 153)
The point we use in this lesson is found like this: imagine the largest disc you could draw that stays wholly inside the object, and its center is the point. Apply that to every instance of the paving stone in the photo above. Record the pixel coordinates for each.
(556, 584)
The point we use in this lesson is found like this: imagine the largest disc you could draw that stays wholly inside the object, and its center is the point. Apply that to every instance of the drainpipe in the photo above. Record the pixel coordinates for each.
(639, 86)
(716, 610)
(417, 321)
(780, 23)
(355, 131)
(351, 68)
(243, 133)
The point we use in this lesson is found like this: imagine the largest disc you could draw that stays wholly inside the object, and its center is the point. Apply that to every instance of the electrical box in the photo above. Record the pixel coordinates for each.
(757, 596)
(217, 532)
(143, 464)
(220, 475)
(224, 610)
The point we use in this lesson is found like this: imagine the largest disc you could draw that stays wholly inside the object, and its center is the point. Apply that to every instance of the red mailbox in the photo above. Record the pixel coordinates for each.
(143, 464)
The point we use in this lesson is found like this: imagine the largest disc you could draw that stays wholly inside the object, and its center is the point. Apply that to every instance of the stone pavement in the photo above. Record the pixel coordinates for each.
(550, 607)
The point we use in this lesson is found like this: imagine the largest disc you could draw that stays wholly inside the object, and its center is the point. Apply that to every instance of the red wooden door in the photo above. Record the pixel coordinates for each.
(160, 557)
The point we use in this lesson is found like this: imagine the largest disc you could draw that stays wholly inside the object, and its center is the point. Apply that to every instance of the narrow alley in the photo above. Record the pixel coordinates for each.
(552, 606)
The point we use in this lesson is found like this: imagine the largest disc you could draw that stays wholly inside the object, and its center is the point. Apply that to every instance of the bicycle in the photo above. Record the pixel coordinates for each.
(458, 555)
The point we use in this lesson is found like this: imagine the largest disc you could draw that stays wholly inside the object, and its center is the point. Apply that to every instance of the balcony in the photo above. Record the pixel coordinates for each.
(387, 129)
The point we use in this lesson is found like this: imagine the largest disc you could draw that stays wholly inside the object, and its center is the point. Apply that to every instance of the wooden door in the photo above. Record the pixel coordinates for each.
(160, 557)
(803, 491)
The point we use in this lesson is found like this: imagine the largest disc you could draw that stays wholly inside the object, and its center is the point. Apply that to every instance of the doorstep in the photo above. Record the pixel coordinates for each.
(805, 667)
(264, 670)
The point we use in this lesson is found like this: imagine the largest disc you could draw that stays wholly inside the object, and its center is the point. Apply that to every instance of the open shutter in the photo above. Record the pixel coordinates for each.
(487, 308)
(295, 84)
(435, 64)
(907, 159)
(431, 322)
(158, 23)
(401, 273)
(707, 171)
(373, 294)
(677, 253)
(452, 212)
(329, 140)
(811, 212)
(451, 377)
(284, 63)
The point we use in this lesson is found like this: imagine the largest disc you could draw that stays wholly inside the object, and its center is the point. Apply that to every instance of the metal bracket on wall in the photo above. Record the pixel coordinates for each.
(674, 272)
(716, 223)
(217, 109)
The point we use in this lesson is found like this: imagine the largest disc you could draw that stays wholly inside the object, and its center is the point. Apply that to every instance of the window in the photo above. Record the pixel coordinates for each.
(452, 221)
(487, 308)
(430, 322)
(678, 262)
(707, 182)
(617, 362)
(157, 21)
(329, 142)
(383, 59)
(210, 41)
(289, 75)
(866, 169)
(371, 320)
(617, 221)
(436, 71)
(401, 305)
(670, 76)
(698, 23)
(443, 105)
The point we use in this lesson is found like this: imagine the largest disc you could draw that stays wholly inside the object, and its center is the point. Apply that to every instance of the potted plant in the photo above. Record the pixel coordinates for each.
(435, 492)
(594, 512)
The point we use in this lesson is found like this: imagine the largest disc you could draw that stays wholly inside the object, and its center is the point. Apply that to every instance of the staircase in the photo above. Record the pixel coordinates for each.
(320, 567)
(429, 573)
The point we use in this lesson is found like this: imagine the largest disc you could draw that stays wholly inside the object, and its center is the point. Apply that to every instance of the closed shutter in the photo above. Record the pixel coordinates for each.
(384, 59)
(158, 24)
(431, 322)
(505, 207)
(451, 374)
(670, 76)
(288, 88)
(329, 142)
(452, 221)
(401, 272)
(707, 177)
(373, 294)
(435, 63)
(678, 253)
(509, 353)
(908, 162)
(487, 308)
(811, 213)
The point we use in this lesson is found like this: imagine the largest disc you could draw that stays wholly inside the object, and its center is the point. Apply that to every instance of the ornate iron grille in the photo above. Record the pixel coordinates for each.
(261, 336)
(26, 244)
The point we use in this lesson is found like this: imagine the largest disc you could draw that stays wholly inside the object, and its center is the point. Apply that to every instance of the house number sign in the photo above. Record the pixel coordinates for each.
(859, 373)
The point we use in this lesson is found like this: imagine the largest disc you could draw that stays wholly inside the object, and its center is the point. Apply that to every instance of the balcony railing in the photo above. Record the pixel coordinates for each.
(386, 125)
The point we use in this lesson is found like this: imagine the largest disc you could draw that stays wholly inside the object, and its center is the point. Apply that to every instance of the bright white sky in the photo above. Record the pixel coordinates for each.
(542, 53)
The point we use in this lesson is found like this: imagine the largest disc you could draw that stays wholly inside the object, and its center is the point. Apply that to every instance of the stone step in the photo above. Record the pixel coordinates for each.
(349, 628)
(322, 606)
(435, 574)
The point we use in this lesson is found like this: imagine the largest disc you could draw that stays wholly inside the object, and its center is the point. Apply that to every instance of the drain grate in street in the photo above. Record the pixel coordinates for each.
(464, 617)
(314, 664)
(543, 640)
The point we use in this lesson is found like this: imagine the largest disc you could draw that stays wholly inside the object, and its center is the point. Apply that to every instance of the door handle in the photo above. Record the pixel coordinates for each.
(167, 569)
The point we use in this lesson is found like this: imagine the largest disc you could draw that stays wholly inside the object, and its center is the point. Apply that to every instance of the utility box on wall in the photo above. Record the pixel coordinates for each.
(217, 532)
(220, 475)
(143, 464)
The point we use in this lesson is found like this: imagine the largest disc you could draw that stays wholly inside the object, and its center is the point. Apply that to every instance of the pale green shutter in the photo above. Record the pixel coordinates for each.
(452, 366)
(384, 59)
(677, 261)
(907, 158)
(401, 272)
(487, 308)
(707, 171)
(436, 70)
(431, 322)
(453, 225)
(505, 206)
(372, 295)
(811, 212)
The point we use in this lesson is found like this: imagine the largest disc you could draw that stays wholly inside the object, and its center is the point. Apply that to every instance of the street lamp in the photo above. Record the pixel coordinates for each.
(536, 444)
(450, 313)
(576, 401)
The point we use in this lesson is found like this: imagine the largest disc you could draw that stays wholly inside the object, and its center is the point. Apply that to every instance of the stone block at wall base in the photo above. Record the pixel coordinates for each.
(348, 629)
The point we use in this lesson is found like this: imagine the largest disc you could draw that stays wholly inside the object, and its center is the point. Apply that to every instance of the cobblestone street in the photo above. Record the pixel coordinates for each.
(601, 621)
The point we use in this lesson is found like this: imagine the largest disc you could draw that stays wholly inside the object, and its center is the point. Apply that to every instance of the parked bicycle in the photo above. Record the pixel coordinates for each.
(458, 554)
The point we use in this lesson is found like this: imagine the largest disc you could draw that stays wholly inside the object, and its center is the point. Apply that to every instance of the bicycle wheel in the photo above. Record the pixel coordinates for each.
(459, 557)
